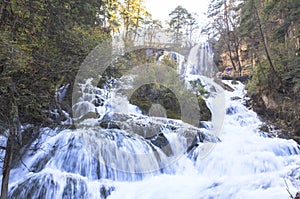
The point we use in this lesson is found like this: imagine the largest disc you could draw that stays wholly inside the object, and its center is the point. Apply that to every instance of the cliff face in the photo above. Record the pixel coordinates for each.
(281, 113)
(234, 64)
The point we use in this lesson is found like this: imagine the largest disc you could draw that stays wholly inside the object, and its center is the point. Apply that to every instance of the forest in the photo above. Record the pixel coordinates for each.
(44, 43)
(260, 41)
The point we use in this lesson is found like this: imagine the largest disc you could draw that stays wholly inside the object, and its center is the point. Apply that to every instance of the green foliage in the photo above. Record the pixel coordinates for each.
(199, 88)
(273, 27)
(128, 15)
(292, 76)
(182, 24)
(168, 61)
(259, 78)
(42, 46)
(43, 43)
(156, 82)
(270, 29)
(172, 95)
(149, 94)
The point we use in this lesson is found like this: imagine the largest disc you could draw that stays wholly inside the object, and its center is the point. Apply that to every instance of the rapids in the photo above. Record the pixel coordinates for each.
(129, 155)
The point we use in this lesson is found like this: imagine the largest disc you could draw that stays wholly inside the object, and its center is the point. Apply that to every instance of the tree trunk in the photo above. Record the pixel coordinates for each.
(236, 48)
(266, 47)
(7, 165)
(230, 55)
(14, 138)
(228, 36)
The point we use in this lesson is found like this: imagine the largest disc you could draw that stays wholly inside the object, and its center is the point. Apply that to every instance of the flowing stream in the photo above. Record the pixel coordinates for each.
(130, 155)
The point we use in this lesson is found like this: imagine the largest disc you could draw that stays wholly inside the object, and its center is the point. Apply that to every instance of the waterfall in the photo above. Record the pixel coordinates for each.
(245, 164)
(124, 154)
(201, 60)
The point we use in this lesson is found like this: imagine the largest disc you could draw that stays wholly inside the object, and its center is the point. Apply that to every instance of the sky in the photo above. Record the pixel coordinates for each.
(160, 9)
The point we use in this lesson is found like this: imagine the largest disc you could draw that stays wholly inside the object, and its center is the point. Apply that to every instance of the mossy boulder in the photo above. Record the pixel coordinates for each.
(148, 96)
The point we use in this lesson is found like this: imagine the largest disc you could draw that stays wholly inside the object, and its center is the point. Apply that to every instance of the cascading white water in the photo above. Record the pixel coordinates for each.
(200, 61)
(136, 156)
(201, 57)
(245, 164)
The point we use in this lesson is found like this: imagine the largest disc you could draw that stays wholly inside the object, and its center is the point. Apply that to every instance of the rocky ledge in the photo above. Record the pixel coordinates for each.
(153, 128)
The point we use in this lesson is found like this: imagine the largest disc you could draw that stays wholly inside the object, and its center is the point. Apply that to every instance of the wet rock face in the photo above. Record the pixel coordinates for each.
(162, 142)
(47, 186)
(231, 110)
(205, 113)
(297, 195)
(151, 128)
(131, 124)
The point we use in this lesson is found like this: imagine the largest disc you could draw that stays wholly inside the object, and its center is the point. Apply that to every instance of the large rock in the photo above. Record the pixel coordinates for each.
(269, 102)
(49, 185)
(150, 96)
(152, 128)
